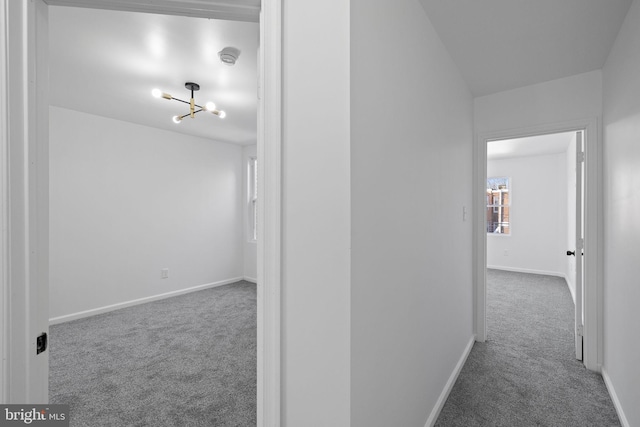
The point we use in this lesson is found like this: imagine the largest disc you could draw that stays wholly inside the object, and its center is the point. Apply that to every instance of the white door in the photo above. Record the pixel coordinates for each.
(579, 244)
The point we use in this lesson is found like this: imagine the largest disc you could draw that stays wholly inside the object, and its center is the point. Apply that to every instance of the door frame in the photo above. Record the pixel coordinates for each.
(24, 188)
(24, 192)
(4, 209)
(593, 228)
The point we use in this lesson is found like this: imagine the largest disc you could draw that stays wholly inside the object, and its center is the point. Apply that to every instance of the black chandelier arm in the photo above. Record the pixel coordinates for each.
(188, 103)
(189, 114)
(180, 100)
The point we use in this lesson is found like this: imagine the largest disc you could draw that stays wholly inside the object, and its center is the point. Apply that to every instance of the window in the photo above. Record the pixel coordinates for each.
(498, 204)
(253, 198)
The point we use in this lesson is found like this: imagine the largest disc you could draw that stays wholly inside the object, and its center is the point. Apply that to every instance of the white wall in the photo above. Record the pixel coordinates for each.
(411, 159)
(249, 246)
(129, 200)
(316, 214)
(538, 215)
(622, 208)
(563, 100)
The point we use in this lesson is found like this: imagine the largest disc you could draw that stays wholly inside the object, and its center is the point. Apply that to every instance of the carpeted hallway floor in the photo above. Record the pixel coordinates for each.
(526, 374)
(184, 361)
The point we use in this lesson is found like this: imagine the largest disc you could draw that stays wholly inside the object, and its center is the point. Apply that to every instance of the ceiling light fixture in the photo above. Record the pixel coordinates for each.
(209, 106)
(229, 55)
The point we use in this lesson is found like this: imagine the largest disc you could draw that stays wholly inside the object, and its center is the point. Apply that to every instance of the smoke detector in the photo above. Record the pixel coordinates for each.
(229, 55)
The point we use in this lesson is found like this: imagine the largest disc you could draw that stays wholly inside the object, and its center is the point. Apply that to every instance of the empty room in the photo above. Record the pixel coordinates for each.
(152, 218)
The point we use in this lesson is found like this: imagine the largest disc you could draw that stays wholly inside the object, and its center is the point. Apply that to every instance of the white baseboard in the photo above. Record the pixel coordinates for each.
(571, 290)
(250, 279)
(108, 308)
(614, 398)
(449, 385)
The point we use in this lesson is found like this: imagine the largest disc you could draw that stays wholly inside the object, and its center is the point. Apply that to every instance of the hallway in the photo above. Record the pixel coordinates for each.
(526, 374)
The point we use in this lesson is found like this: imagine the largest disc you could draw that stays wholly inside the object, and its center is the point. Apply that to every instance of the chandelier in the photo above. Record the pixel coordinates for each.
(193, 107)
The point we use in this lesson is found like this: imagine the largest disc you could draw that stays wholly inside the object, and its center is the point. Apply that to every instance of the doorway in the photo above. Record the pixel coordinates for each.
(24, 373)
(592, 307)
(143, 209)
(534, 208)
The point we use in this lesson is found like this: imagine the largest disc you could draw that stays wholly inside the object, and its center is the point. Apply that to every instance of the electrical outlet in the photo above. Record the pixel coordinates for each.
(164, 273)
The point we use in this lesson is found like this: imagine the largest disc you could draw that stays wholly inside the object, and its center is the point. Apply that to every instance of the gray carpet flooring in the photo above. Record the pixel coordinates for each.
(184, 361)
(526, 374)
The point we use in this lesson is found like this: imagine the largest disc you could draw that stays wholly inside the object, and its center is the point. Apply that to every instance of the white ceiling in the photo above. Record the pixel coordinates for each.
(505, 44)
(531, 146)
(107, 62)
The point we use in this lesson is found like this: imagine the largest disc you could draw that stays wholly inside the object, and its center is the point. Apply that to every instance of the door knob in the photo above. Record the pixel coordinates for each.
(569, 253)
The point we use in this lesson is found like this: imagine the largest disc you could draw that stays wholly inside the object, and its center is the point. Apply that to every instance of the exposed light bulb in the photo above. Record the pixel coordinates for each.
(157, 93)
(210, 106)
(222, 114)
(177, 119)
